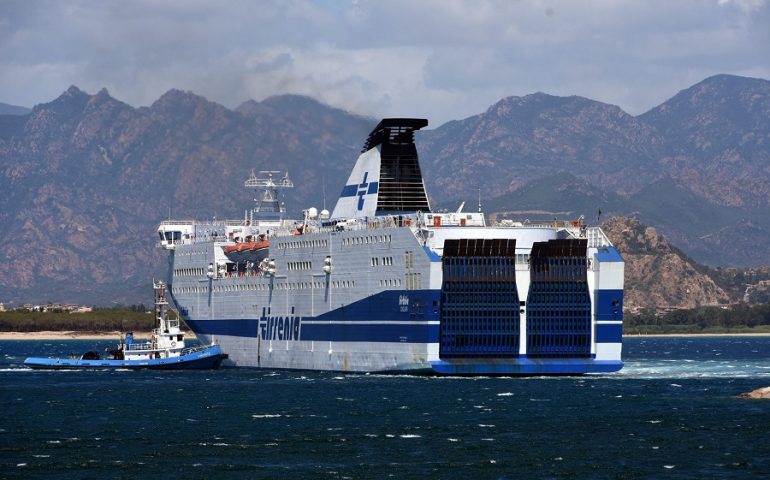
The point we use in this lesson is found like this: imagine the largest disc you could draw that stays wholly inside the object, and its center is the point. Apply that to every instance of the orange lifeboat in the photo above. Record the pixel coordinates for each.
(242, 247)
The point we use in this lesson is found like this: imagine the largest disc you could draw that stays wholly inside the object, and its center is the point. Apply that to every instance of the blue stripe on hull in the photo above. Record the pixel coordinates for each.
(327, 332)
(371, 333)
(234, 328)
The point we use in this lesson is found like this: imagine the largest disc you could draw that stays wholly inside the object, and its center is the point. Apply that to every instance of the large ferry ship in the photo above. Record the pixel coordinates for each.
(385, 284)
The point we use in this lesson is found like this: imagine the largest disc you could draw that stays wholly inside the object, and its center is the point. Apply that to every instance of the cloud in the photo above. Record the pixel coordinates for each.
(439, 59)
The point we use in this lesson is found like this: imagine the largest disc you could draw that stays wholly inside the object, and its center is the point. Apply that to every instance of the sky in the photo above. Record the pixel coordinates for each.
(438, 59)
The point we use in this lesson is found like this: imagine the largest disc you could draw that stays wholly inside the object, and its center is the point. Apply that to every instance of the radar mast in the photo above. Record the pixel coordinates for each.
(268, 205)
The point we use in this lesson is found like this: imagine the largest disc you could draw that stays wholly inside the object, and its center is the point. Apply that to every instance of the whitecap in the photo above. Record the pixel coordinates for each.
(676, 385)
(21, 464)
(486, 426)
(487, 439)
(53, 441)
(669, 466)
(409, 435)
(266, 415)
(654, 421)
(453, 439)
(505, 394)
(390, 435)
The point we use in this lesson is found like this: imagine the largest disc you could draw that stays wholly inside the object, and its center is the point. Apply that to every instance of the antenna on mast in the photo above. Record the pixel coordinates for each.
(479, 199)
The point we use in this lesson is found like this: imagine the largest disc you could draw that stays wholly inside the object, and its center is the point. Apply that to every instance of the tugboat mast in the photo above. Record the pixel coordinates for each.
(160, 305)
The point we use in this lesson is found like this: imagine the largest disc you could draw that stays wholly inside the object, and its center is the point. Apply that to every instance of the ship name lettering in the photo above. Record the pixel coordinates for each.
(403, 303)
(280, 328)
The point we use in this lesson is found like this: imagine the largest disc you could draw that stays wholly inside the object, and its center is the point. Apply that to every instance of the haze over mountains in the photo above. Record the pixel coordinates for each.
(86, 178)
(6, 109)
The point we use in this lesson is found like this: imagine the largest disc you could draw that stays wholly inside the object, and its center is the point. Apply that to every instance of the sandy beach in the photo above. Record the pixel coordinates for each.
(70, 335)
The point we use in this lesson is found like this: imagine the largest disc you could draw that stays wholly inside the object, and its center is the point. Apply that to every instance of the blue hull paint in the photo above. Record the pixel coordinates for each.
(207, 359)
(524, 367)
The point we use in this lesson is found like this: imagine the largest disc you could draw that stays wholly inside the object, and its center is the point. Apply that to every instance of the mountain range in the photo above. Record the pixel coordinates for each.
(6, 109)
(86, 178)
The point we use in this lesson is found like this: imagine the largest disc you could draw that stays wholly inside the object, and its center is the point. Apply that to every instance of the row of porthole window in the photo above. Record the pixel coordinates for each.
(188, 272)
(304, 244)
(278, 286)
(384, 261)
(366, 239)
(300, 265)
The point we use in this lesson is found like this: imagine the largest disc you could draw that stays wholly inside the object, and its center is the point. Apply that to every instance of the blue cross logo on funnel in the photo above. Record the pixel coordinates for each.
(362, 188)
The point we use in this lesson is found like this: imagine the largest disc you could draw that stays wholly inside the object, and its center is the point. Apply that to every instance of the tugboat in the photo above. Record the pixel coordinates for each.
(165, 350)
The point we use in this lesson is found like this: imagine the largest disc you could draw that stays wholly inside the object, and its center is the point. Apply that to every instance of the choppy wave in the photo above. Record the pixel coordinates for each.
(671, 409)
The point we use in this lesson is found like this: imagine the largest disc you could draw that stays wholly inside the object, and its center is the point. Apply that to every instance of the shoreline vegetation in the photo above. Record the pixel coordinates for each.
(99, 322)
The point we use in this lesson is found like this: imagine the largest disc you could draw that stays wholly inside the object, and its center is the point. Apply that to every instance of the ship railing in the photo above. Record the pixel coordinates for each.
(139, 346)
(197, 348)
(177, 222)
(216, 223)
(597, 238)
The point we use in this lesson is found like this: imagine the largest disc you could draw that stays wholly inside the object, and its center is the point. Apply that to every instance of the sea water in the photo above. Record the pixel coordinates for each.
(672, 412)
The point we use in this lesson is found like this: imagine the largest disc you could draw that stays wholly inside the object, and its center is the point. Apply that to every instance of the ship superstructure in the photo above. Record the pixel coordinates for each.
(384, 284)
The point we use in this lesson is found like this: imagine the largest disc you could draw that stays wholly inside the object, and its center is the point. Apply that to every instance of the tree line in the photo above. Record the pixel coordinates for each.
(736, 319)
(104, 320)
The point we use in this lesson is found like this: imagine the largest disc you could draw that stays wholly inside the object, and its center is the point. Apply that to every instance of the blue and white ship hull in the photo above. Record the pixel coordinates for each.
(385, 285)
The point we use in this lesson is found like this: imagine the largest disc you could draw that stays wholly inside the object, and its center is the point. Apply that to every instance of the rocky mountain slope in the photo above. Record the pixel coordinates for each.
(86, 177)
(695, 166)
(658, 274)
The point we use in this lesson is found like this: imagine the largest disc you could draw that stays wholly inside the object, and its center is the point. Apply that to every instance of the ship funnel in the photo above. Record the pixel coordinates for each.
(386, 179)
